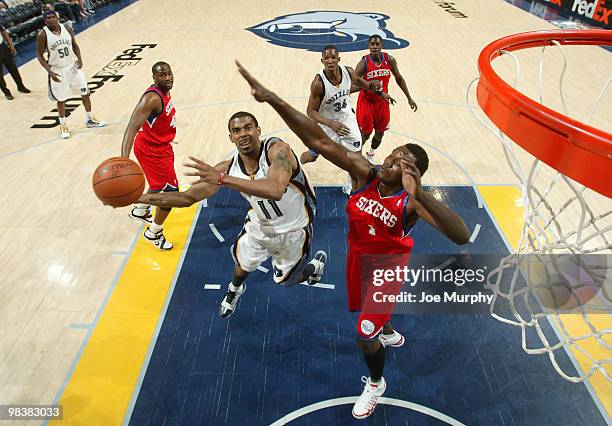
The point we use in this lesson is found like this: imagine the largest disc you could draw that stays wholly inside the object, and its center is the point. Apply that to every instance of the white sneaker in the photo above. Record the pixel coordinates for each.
(94, 122)
(146, 218)
(370, 157)
(157, 239)
(230, 300)
(368, 399)
(318, 261)
(394, 340)
(64, 133)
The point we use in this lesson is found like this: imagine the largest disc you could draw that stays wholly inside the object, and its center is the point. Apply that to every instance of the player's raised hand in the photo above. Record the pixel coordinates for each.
(205, 172)
(258, 90)
(411, 176)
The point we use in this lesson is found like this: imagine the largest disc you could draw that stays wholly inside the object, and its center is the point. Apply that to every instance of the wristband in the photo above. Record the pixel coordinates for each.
(221, 177)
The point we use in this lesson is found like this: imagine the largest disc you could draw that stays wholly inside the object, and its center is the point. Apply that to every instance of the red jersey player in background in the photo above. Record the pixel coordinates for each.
(389, 202)
(151, 130)
(373, 111)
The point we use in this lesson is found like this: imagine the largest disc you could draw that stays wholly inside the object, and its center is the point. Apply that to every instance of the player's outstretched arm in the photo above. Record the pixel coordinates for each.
(149, 103)
(434, 212)
(399, 79)
(282, 166)
(308, 131)
(197, 192)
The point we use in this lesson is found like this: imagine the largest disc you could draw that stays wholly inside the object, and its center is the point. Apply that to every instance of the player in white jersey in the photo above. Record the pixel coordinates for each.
(330, 104)
(63, 65)
(283, 207)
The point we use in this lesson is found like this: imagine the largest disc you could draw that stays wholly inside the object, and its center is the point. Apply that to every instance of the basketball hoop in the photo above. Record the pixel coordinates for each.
(566, 194)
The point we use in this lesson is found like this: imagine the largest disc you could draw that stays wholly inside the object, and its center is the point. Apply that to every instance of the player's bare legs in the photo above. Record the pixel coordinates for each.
(91, 120)
(376, 141)
(374, 354)
(236, 288)
(61, 111)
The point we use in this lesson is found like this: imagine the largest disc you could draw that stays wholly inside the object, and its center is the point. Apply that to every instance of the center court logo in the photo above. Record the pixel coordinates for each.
(314, 30)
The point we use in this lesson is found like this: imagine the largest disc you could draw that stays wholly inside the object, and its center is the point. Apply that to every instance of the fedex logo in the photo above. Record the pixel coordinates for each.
(595, 10)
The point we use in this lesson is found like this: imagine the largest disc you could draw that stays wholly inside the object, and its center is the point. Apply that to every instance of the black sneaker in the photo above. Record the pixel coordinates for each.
(9, 95)
(24, 90)
(228, 304)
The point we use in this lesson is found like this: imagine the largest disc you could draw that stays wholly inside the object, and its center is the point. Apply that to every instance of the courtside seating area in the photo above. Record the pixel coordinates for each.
(23, 18)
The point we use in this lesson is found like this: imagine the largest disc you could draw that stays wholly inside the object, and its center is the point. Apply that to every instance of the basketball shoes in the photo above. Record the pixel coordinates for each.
(368, 399)
(94, 122)
(146, 218)
(64, 132)
(318, 261)
(369, 155)
(394, 340)
(230, 300)
(157, 239)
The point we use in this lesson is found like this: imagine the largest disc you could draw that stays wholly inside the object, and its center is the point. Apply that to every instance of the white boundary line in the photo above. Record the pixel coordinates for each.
(352, 399)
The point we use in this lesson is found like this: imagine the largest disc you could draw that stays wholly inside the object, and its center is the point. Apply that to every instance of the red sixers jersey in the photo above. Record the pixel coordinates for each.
(160, 129)
(381, 72)
(377, 225)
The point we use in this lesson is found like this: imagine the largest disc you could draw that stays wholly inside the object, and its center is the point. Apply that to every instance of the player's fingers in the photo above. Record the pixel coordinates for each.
(196, 160)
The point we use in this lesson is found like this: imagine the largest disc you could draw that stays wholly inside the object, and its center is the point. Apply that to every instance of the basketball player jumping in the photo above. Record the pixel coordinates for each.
(151, 130)
(283, 207)
(330, 104)
(372, 111)
(65, 74)
(381, 214)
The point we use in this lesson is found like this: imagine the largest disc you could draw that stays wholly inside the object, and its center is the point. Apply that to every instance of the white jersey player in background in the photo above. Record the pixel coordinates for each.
(63, 65)
(283, 207)
(330, 104)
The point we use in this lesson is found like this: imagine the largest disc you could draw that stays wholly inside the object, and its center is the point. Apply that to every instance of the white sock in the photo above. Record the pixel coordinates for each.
(155, 228)
(62, 120)
(233, 288)
(89, 115)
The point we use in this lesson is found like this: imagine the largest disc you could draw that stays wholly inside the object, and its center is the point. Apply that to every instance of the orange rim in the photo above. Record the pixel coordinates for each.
(579, 151)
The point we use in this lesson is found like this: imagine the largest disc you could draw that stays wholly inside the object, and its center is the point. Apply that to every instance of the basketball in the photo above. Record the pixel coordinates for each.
(118, 182)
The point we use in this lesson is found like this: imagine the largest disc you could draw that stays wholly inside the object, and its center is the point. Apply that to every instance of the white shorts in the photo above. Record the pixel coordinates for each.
(289, 252)
(73, 82)
(352, 141)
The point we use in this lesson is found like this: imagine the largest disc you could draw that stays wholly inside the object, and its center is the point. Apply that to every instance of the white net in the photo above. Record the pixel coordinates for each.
(567, 228)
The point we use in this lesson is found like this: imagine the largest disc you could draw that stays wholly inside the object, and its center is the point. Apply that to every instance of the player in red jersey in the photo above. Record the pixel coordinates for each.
(389, 202)
(151, 130)
(373, 112)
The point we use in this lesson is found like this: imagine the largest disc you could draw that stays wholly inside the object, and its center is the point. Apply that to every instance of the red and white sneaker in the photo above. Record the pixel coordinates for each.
(394, 340)
(368, 399)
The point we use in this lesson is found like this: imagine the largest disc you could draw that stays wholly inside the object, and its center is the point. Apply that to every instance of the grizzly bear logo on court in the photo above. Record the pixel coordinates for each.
(314, 30)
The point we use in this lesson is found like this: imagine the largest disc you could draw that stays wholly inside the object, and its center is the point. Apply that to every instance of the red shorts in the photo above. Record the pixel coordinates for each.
(372, 115)
(367, 295)
(157, 162)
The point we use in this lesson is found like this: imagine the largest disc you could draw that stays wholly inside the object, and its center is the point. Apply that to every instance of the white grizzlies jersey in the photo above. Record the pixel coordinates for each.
(337, 105)
(295, 210)
(59, 47)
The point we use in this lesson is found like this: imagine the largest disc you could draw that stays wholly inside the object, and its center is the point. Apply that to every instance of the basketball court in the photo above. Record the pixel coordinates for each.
(97, 320)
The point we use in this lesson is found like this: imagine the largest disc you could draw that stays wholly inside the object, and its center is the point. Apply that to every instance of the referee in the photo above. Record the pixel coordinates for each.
(7, 51)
